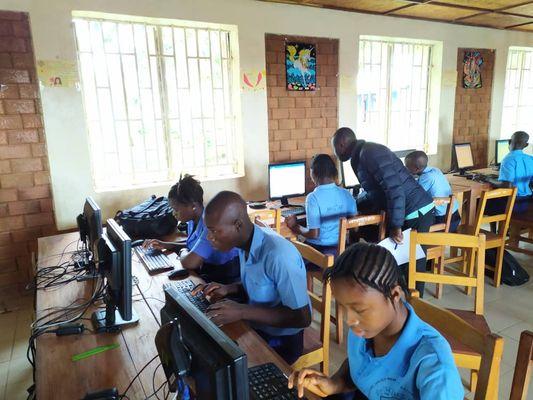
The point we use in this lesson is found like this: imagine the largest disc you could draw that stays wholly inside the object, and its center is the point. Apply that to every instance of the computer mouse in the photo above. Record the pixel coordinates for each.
(178, 274)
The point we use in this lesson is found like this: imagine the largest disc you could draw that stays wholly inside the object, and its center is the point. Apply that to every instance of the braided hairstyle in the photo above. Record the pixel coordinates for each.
(187, 191)
(369, 265)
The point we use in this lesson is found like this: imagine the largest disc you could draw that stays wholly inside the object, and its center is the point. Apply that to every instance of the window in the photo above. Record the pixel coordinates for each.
(159, 100)
(393, 93)
(518, 95)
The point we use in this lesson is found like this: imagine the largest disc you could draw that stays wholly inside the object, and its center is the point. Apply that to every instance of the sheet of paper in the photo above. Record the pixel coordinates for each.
(401, 251)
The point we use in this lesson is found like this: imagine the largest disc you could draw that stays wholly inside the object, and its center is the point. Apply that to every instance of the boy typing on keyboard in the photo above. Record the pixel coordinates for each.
(273, 278)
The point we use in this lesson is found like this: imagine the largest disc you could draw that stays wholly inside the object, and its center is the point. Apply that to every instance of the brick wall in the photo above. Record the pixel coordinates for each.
(25, 199)
(472, 108)
(300, 124)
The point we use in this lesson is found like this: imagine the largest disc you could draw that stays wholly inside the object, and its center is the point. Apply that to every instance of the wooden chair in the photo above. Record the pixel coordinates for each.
(474, 245)
(520, 224)
(316, 344)
(493, 240)
(346, 225)
(435, 254)
(268, 217)
(488, 347)
(522, 369)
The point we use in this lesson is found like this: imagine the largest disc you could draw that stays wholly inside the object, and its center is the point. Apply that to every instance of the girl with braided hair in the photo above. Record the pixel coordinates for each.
(392, 353)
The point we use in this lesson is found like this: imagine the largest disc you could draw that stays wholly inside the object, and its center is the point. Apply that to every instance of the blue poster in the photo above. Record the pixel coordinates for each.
(300, 64)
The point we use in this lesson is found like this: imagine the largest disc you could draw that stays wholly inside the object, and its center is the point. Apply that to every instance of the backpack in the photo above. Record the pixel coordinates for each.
(512, 272)
(152, 218)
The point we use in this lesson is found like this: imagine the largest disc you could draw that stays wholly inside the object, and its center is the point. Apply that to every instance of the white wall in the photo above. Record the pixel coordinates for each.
(63, 112)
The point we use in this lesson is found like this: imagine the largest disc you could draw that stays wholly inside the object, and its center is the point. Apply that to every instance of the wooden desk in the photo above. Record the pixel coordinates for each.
(285, 231)
(57, 377)
(470, 191)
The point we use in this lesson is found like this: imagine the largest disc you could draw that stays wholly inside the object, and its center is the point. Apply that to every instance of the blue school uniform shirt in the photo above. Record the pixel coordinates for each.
(324, 206)
(273, 274)
(435, 183)
(517, 168)
(420, 365)
(197, 243)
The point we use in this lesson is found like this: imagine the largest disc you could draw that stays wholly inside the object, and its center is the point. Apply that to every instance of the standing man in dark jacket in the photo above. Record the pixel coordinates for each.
(388, 186)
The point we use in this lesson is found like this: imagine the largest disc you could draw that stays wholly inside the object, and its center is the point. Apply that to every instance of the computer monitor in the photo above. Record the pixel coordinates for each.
(502, 149)
(462, 153)
(190, 343)
(90, 224)
(114, 250)
(286, 180)
(349, 179)
(401, 154)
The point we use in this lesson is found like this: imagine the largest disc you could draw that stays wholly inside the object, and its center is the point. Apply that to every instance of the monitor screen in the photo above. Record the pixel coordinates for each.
(502, 149)
(286, 180)
(463, 154)
(348, 176)
(93, 218)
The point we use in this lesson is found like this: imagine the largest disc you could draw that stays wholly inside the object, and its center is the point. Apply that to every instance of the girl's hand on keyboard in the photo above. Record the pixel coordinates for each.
(291, 221)
(225, 312)
(154, 244)
(314, 381)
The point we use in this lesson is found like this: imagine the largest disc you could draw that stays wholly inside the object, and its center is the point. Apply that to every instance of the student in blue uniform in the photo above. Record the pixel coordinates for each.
(273, 278)
(187, 199)
(324, 207)
(435, 183)
(392, 353)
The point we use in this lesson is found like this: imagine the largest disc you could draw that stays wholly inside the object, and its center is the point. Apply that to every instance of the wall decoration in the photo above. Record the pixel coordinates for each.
(253, 80)
(472, 70)
(57, 73)
(300, 66)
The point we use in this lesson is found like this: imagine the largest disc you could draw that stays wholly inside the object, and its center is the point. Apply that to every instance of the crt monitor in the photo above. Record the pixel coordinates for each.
(462, 153)
(349, 179)
(286, 180)
(502, 149)
(114, 250)
(90, 224)
(189, 343)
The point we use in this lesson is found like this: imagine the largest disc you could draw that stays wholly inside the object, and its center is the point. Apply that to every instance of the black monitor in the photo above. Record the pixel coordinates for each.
(189, 343)
(90, 225)
(401, 154)
(501, 150)
(114, 251)
(286, 180)
(462, 156)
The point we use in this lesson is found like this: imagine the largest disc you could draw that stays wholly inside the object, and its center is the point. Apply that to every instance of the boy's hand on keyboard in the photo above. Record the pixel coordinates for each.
(225, 312)
(314, 381)
(212, 291)
(154, 244)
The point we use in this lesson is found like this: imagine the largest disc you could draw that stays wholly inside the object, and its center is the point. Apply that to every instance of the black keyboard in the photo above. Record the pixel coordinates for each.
(185, 286)
(294, 210)
(268, 382)
(154, 261)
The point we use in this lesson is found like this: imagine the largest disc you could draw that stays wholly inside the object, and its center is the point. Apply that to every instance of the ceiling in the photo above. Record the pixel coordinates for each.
(499, 14)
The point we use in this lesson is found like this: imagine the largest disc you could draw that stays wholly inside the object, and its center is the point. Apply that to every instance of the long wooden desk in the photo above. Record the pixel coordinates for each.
(58, 377)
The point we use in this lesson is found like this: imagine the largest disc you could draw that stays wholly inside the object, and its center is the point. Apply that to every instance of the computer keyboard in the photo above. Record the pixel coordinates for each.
(295, 210)
(154, 261)
(268, 382)
(185, 286)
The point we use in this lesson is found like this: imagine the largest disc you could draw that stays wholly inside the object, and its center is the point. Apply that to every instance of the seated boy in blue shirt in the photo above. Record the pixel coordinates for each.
(186, 198)
(273, 277)
(435, 183)
(324, 207)
(392, 353)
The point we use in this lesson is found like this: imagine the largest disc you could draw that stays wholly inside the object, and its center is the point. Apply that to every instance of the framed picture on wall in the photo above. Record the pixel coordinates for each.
(300, 65)
(472, 70)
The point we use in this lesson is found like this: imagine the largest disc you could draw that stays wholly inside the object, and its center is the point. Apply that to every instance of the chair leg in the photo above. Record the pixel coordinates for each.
(499, 266)
(309, 283)
(473, 380)
(439, 268)
(339, 315)
(468, 267)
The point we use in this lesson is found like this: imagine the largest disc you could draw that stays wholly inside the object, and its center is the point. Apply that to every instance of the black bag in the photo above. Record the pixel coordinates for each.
(152, 218)
(512, 272)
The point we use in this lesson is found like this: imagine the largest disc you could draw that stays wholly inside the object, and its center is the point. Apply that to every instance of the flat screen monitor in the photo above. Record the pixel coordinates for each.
(90, 224)
(349, 179)
(190, 342)
(463, 156)
(114, 249)
(502, 149)
(286, 180)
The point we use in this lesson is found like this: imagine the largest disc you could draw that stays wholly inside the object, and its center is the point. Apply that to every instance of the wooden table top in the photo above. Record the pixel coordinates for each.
(57, 377)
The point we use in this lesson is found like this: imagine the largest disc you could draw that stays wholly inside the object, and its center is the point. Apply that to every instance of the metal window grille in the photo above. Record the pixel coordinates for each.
(393, 93)
(518, 94)
(158, 101)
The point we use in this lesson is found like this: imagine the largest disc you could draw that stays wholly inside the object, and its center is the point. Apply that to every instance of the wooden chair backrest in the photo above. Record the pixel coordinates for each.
(268, 215)
(452, 240)
(489, 346)
(345, 224)
(504, 218)
(522, 369)
(444, 226)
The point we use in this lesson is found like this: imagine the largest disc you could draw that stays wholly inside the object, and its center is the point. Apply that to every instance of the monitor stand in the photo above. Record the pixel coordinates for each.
(110, 320)
(285, 203)
(463, 173)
